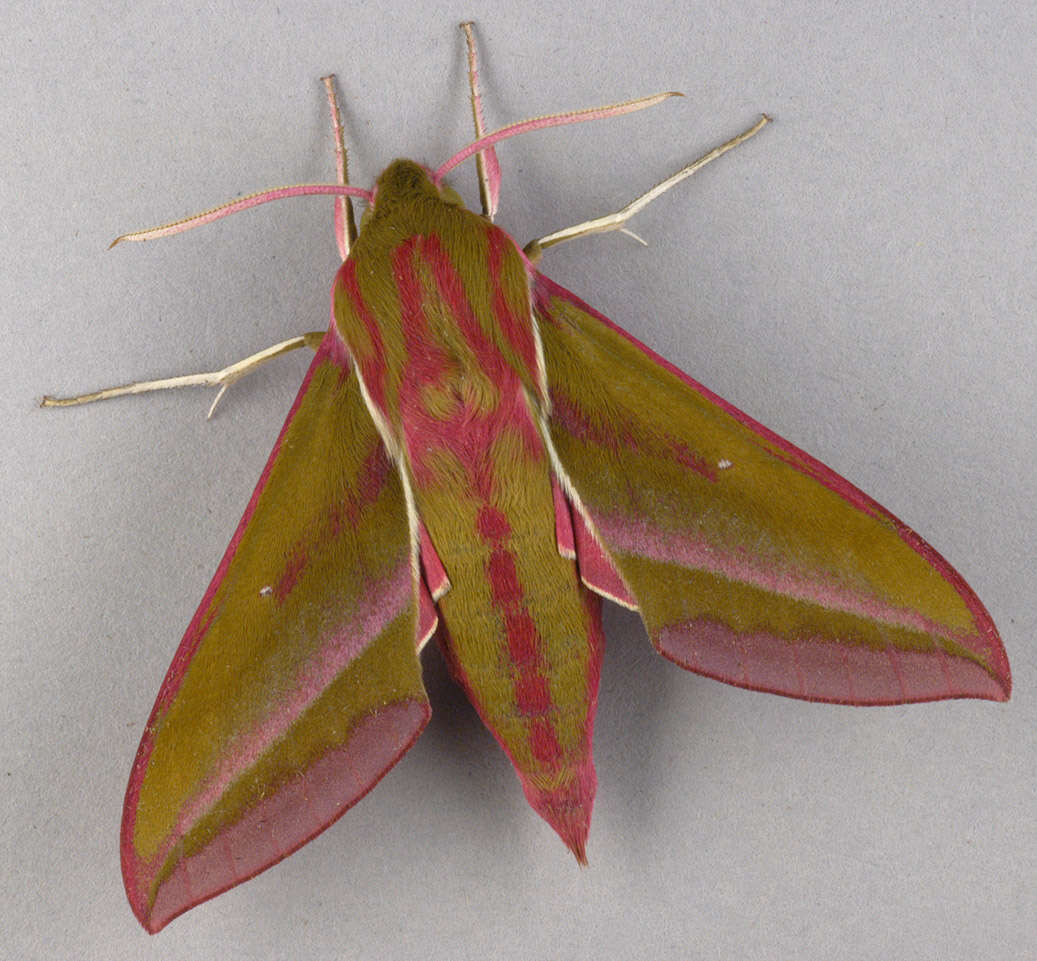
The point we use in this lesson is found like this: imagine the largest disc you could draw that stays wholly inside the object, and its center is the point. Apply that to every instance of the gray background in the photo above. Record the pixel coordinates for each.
(860, 277)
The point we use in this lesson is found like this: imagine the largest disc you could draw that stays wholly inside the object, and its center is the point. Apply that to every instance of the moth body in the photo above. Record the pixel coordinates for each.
(450, 370)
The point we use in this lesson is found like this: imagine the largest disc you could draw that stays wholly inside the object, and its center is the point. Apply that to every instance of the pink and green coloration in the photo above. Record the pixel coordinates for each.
(478, 455)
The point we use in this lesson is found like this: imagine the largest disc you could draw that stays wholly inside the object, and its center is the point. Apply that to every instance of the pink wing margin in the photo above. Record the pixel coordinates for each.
(297, 684)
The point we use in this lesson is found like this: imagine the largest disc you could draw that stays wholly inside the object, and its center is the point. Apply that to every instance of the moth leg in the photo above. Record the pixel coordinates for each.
(486, 160)
(345, 221)
(618, 220)
(217, 378)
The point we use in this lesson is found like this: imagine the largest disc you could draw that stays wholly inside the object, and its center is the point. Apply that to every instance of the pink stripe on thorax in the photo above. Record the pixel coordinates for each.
(516, 328)
(452, 291)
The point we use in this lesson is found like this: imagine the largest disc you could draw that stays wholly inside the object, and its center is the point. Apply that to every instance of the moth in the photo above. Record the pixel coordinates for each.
(476, 454)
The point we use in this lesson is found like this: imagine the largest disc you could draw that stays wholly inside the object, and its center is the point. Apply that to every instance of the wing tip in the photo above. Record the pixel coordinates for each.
(1001, 674)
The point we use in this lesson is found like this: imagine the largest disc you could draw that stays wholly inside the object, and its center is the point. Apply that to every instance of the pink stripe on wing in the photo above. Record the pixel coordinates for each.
(697, 553)
(372, 614)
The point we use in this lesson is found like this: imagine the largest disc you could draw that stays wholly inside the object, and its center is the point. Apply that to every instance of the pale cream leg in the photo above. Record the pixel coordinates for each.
(217, 378)
(618, 220)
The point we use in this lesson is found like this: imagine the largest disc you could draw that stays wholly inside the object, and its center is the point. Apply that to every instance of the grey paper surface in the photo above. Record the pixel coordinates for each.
(860, 277)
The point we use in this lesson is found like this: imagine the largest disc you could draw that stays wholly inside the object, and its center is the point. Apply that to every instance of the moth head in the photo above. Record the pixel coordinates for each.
(405, 182)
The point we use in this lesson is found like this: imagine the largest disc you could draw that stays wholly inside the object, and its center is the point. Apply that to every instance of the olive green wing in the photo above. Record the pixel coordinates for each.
(297, 684)
(749, 560)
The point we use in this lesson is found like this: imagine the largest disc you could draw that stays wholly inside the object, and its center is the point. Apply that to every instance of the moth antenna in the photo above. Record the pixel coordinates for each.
(551, 120)
(486, 163)
(243, 203)
(345, 220)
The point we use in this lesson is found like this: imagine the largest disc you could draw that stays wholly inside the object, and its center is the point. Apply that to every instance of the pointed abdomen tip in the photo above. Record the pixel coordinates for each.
(568, 809)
